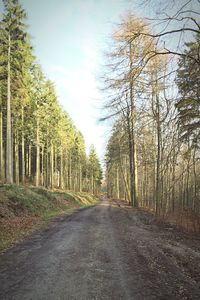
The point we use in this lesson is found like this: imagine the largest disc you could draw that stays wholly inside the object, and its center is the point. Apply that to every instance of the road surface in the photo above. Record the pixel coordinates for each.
(103, 252)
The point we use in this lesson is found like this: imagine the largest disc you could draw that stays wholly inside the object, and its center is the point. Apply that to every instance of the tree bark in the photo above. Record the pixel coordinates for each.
(52, 167)
(70, 172)
(2, 162)
(16, 159)
(9, 169)
(29, 160)
(37, 177)
(132, 145)
(61, 168)
(117, 182)
(47, 165)
(80, 177)
(42, 166)
(23, 144)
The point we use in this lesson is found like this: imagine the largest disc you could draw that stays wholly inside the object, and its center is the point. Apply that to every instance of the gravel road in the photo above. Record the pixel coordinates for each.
(103, 252)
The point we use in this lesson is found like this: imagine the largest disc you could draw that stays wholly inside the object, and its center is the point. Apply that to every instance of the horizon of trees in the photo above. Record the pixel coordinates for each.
(152, 96)
(39, 143)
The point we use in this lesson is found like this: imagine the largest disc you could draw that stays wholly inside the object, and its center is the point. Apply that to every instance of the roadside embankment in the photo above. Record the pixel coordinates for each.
(24, 209)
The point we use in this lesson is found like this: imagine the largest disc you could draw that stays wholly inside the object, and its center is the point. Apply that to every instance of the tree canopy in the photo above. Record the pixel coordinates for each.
(39, 143)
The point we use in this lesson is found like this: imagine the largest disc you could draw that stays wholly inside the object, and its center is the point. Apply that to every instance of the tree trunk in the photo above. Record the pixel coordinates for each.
(156, 113)
(61, 168)
(117, 182)
(9, 169)
(92, 184)
(52, 167)
(132, 145)
(2, 162)
(135, 175)
(37, 177)
(131, 164)
(42, 166)
(65, 179)
(173, 177)
(16, 159)
(23, 144)
(80, 177)
(158, 170)
(125, 177)
(195, 181)
(47, 166)
(70, 172)
(29, 160)
(56, 177)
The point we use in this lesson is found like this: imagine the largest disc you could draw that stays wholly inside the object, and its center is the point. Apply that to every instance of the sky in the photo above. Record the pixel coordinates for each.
(69, 38)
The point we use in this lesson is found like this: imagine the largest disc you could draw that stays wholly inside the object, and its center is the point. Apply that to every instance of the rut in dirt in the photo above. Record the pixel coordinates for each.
(102, 252)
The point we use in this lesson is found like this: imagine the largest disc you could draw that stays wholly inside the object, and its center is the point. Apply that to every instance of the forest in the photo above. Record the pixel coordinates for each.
(39, 143)
(151, 93)
(152, 90)
(124, 224)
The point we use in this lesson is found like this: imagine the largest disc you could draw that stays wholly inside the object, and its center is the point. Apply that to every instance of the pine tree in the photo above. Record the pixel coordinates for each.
(95, 172)
(15, 49)
(39, 143)
(188, 80)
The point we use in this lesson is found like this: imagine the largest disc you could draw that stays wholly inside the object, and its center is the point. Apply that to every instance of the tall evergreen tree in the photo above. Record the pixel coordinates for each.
(39, 143)
(15, 49)
(188, 80)
(95, 172)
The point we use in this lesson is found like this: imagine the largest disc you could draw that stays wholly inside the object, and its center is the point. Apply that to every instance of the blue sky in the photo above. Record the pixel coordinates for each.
(69, 38)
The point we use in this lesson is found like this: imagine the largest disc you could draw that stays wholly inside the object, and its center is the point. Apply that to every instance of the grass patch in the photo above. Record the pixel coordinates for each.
(23, 209)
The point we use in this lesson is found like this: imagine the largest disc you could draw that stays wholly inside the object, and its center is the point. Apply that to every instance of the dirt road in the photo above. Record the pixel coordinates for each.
(103, 252)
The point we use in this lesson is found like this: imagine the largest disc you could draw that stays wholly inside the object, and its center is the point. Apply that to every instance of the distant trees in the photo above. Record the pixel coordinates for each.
(94, 171)
(159, 126)
(39, 143)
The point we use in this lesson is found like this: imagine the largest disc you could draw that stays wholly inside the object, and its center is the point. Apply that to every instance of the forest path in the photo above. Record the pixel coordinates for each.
(102, 252)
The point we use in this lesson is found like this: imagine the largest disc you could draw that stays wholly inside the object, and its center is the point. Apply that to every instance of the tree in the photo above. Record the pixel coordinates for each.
(95, 172)
(15, 49)
(188, 81)
(117, 154)
(147, 114)
(125, 78)
(43, 146)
